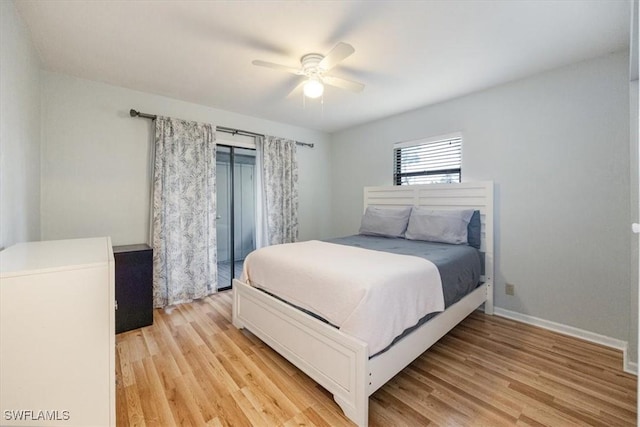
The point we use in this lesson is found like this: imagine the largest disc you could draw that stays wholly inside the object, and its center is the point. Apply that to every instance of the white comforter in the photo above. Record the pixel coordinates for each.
(371, 295)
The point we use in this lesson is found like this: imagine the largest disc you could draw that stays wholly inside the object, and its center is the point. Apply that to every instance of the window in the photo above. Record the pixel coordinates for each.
(428, 161)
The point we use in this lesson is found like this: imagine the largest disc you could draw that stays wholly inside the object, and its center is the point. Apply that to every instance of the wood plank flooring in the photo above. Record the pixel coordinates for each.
(193, 368)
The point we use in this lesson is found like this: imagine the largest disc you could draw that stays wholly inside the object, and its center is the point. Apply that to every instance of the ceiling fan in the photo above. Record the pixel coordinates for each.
(315, 67)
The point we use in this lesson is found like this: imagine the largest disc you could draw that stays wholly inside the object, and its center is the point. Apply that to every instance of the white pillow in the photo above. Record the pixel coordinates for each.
(446, 226)
(389, 222)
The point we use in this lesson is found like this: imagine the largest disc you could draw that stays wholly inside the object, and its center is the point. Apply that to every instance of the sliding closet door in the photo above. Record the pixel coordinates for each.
(235, 226)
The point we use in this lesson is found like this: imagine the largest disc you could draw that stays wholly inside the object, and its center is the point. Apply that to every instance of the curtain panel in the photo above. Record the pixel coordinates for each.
(184, 212)
(277, 184)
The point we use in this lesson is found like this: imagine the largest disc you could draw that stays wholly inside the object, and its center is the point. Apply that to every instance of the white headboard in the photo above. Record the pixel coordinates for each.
(465, 195)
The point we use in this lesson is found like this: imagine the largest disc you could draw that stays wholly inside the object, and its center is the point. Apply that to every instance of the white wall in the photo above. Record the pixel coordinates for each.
(19, 131)
(557, 147)
(95, 159)
(634, 178)
(635, 217)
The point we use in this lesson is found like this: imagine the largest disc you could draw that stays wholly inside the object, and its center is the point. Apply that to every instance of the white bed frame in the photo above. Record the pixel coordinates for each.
(339, 362)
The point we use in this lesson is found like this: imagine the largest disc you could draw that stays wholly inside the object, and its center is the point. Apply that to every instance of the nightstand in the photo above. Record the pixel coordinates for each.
(134, 286)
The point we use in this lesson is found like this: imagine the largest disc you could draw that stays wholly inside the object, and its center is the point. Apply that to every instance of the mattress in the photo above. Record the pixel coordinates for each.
(348, 282)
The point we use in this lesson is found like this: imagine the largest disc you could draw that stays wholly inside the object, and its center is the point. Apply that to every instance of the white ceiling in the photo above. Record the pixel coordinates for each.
(408, 53)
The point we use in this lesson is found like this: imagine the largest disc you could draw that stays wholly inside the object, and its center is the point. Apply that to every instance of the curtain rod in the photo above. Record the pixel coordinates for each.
(134, 113)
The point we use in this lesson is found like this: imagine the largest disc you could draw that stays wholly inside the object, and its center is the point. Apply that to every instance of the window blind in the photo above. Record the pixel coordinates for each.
(428, 161)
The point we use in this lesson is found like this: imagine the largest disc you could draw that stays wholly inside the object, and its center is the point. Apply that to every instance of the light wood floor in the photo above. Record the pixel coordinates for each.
(193, 368)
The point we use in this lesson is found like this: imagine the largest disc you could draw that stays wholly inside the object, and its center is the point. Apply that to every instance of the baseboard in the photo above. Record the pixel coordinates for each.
(628, 366)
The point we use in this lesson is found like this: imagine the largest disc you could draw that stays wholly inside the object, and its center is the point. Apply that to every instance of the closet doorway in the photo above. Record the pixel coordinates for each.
(235, 206)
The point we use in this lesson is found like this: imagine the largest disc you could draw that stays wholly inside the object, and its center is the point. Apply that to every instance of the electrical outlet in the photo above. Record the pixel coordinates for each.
(509, 289)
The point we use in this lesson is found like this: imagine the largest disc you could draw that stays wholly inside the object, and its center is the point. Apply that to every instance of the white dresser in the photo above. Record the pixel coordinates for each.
(57, 333)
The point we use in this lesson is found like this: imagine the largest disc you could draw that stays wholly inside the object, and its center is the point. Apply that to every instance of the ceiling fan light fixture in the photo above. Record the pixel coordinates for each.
(314, 68)
(313, 88)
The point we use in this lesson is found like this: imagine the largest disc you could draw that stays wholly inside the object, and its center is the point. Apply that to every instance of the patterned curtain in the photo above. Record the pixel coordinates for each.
(278, 186)
(184, 212)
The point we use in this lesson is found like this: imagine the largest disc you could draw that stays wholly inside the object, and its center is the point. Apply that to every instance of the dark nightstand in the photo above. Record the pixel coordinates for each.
(134, 286)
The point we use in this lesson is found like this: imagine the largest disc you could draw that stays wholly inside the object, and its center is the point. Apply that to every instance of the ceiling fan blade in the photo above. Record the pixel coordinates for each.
(279, 67)
(343, 83)
(337, 54)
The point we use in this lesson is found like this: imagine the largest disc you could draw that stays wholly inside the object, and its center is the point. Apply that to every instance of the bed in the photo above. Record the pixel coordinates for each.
(342, 363)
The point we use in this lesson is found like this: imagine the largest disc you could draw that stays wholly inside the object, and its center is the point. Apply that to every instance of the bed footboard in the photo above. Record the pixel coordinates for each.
(336, 361)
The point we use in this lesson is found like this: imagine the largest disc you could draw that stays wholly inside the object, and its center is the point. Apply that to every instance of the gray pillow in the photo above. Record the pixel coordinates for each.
(474, 230)
(389, 222)
(446, 226)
